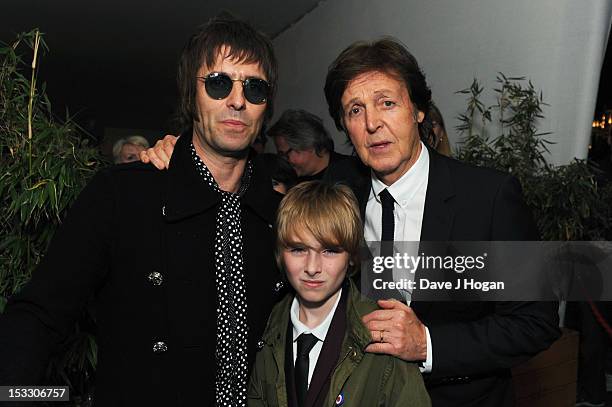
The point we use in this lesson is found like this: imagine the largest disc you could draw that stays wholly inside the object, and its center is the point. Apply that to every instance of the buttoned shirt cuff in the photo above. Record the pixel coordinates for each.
(426, 366)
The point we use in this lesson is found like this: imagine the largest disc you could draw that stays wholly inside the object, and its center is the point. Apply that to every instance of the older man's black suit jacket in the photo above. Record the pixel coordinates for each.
(474, 343)
(129, 222)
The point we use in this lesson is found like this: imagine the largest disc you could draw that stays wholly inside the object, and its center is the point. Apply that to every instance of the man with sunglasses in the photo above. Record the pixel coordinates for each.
(180, 326)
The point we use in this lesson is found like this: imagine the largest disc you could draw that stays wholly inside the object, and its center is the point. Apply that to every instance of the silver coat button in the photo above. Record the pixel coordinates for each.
(156, 278)
(160, 347)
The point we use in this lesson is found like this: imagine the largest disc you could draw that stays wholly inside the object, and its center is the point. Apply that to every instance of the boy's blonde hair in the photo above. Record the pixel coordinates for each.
(329, 212)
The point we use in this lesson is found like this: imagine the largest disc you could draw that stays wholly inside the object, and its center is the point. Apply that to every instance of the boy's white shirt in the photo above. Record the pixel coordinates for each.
(320, 332)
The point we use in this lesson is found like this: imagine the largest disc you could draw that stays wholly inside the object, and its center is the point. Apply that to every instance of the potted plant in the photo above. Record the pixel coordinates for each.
(44, 164)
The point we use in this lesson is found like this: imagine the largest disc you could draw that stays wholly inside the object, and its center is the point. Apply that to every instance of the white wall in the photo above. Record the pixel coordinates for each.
(558, 44)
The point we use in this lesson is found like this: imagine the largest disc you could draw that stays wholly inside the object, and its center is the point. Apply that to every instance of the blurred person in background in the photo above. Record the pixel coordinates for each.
(437, 137)
(127, 149)
(301, 138)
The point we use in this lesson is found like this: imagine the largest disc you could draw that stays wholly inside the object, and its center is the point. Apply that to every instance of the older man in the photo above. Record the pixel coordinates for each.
(181, 326)
(301, 138)
(378, 96)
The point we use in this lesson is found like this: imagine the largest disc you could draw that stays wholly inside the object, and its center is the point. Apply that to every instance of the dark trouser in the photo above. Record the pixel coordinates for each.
(594, 342)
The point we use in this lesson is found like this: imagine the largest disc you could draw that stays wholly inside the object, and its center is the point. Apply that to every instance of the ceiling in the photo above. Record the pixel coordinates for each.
(113, 63)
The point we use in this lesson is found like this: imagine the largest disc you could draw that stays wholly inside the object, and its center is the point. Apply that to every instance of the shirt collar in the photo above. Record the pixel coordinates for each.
(407, 185)
(321, 330)
(205, 173)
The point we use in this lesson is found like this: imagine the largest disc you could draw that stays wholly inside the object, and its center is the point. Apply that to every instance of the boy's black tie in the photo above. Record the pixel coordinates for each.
(305, 342)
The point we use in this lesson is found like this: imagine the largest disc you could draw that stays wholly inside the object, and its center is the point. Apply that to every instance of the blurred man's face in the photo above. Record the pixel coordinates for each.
(304, 162)
(227, 127)
(130, 152)
(382, 124)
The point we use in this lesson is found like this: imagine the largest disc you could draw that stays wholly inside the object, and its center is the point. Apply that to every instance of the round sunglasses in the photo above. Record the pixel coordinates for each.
(219, 85)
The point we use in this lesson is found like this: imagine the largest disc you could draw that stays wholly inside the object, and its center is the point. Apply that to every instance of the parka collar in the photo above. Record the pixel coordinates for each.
(277, 323)
(357, 307)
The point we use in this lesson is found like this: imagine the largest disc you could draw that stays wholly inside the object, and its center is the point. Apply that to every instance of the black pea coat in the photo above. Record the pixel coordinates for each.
(140, 241)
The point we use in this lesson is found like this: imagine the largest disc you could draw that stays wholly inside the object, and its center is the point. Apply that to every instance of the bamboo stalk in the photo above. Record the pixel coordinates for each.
(31, 100)
(30, 114)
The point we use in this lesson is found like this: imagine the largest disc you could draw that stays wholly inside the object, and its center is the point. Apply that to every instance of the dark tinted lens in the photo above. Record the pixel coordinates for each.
(218, 86)
(256, 90)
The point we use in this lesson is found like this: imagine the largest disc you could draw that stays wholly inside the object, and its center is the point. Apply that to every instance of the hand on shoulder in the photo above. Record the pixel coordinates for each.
(159, 155)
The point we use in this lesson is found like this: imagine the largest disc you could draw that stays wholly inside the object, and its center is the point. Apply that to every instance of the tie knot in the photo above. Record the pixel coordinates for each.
(386, 199)
(305, 343)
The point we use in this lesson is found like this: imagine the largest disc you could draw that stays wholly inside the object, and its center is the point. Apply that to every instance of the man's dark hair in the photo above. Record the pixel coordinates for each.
(386, 55)
(302, 130)
(245, 44)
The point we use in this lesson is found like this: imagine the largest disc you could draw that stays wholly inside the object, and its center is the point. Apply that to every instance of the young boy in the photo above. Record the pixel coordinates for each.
(313, 352)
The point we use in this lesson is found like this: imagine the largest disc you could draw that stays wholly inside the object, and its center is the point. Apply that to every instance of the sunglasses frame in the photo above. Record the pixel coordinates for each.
(245, 86)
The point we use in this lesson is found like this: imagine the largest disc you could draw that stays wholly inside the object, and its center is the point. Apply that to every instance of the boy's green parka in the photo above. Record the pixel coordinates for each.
(363, 379)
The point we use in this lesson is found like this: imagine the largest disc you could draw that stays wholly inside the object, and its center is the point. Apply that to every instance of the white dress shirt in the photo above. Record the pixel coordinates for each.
(320, 332)
(409, 193)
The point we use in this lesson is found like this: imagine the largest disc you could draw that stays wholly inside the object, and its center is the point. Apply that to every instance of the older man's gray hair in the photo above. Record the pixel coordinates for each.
(302, 130)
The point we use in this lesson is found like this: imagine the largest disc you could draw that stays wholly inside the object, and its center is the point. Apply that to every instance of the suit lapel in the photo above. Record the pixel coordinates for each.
(321, 377)
(439, 212)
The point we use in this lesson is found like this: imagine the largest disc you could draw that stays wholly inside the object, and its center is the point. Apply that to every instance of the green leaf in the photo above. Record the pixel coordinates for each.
(37, 186)
(565, 200)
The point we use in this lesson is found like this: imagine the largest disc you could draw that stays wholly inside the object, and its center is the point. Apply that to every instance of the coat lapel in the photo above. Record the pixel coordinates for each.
(260, 196)
(289, 372)
(186, 192)
(438, 214)
(277, 330)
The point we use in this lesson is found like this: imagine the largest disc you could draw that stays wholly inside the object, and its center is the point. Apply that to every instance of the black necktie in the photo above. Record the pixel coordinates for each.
(388, 223)
(305, 342)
